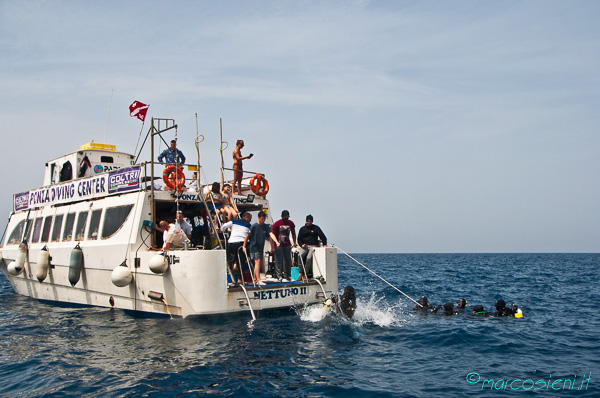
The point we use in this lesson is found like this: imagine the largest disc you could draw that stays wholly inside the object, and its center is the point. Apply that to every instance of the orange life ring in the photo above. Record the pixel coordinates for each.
(174, 177)
(259, 185)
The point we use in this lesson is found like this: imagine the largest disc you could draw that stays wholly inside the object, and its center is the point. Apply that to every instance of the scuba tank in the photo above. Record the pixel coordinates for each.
(271, 265)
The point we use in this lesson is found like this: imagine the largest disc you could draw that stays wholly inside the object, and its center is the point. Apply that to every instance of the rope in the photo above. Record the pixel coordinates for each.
(374, 273)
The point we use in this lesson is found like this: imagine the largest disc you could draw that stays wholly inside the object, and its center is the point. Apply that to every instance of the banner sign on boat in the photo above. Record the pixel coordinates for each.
(124, 180)
(117, 181)
(21, 201)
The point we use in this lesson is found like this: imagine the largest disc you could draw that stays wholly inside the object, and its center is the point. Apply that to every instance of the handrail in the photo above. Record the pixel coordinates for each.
(315, 261)
(249, 265)
(248, 299)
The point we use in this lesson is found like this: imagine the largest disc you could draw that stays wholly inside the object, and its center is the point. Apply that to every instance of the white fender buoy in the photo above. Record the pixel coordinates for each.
(75, 265)
(43, 263)
(158, 264)
(21, 256)
(121, 275)
(14, 269)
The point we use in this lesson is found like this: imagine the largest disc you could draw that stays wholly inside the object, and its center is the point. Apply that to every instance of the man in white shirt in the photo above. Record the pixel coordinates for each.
(175, 234)
(239, 230)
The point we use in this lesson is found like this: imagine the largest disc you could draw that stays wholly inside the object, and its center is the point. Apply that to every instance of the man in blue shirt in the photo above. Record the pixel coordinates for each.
(172, 155)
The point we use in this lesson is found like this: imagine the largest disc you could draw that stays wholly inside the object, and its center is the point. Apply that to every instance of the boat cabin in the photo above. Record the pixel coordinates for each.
(91, 159)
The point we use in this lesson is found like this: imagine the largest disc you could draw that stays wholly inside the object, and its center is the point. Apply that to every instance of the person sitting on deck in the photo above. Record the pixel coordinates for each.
(194, 183)
(214, 201)
(308, 239)
(229, 207)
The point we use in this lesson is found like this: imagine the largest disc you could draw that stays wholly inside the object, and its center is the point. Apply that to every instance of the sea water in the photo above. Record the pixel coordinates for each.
(386, 350)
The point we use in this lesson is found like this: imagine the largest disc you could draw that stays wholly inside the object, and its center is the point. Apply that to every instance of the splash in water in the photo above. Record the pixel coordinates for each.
(374, 310)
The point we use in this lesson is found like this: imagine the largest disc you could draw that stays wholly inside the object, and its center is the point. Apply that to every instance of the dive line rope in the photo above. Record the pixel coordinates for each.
(374, 273)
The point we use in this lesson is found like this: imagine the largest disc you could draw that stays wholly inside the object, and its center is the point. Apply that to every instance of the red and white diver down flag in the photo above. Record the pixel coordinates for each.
(137, 109)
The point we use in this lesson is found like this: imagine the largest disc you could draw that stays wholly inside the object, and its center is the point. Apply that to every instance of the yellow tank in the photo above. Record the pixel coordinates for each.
(97, 146)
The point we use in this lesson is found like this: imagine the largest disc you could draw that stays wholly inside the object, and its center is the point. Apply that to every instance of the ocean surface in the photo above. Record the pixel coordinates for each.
(386, 350)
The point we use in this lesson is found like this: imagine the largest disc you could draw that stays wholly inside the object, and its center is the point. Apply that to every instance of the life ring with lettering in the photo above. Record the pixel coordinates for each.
(174, 177)
(259, 185)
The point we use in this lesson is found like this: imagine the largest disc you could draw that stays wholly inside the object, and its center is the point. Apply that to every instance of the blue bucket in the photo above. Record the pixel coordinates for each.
(295, 273)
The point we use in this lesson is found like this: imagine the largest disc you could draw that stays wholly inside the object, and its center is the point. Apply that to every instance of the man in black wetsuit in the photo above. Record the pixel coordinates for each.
(424, 305)
(308, 239)
(448, 309)
(480, 311)
(344, 303)
(503, 310)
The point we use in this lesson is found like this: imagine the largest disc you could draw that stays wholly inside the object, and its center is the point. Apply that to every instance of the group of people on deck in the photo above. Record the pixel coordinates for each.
(243, 235)
(251, 239)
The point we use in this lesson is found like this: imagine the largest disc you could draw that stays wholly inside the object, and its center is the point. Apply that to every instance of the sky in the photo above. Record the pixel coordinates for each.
(401, 126)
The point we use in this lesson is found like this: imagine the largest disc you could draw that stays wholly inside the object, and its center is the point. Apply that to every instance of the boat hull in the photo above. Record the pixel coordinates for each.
(195, 283)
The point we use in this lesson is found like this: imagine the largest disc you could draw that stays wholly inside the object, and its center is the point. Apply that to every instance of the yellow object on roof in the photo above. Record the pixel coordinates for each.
(100, 147)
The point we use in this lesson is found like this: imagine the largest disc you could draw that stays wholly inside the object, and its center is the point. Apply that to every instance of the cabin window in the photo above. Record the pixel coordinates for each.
(57, 226)
(114, 219)
(46, 230)
(37, 230)
(17, 233)
(94, 224)
(69, 222)
(80, 229)
(106, 159)
(66, 172)
(53, 173)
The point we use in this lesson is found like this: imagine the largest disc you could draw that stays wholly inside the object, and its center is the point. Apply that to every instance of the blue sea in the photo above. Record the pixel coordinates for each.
(386, 350)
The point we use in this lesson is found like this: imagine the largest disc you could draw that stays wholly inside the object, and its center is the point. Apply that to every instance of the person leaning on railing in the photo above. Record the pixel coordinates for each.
(308, 239)
(171, 155)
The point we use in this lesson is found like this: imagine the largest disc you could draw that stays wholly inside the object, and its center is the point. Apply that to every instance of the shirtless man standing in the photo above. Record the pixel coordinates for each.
(238, 170)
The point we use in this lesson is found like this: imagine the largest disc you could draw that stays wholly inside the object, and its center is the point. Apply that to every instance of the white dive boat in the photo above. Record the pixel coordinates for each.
(85, 237)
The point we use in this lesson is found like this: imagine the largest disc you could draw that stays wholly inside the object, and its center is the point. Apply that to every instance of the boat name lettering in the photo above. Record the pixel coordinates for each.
(90, 187)
(188, 196)
(50, 195)
(63, 192)
(121, 180)
(280, 293)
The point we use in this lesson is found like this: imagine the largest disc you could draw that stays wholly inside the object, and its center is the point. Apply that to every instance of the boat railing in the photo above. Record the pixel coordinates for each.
(306, 273)
(250, 267)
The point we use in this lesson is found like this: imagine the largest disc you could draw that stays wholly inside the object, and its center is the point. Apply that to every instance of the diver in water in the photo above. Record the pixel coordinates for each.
(424, 305)
(461, 304)
(480, 311)
(448, 309)
(344, 303)
(503, 310)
